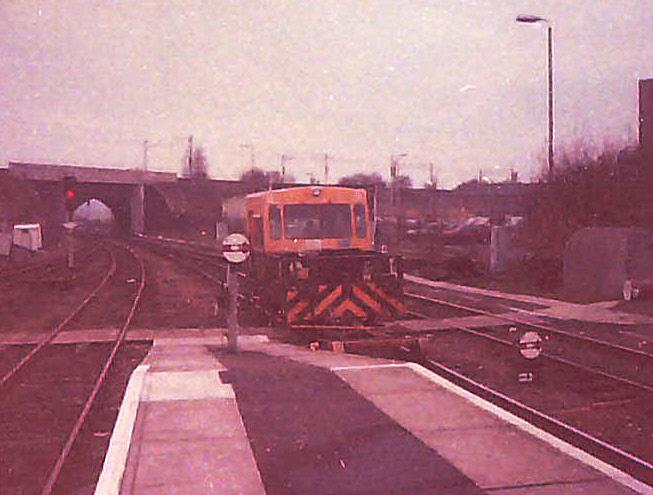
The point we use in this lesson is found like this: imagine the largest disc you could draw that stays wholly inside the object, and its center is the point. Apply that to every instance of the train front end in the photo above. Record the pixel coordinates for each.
(314, 257)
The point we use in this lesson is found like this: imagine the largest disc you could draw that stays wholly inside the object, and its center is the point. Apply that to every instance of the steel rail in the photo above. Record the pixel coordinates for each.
(30, 355)
(50, 265)
(189, 264)
(529, 413)
(546, 328)
(56, 470)
(190, 247)
(558, 359)
(170, 248)
(196, 259)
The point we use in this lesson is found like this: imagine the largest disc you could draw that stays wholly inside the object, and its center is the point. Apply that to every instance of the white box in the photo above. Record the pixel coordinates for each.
(28, 236)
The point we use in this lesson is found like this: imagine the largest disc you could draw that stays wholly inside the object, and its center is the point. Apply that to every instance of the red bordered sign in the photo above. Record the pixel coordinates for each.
(235, 248)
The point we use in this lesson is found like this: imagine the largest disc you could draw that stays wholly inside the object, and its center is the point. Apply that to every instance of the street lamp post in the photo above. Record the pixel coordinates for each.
(532, 19)
(282, 165)
(394, 173)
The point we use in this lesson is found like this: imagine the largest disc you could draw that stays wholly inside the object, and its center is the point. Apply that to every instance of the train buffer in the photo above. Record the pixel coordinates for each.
(277, 418)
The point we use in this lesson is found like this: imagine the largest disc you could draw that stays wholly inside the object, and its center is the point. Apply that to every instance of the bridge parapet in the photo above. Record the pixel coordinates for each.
(97, 175)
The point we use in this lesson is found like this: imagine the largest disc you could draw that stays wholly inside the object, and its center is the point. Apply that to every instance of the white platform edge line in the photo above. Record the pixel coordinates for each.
(367, 366)
(116, 457)
(578, 454)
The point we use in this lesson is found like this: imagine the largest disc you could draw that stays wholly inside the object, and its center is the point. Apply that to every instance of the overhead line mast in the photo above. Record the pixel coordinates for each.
(326, 167)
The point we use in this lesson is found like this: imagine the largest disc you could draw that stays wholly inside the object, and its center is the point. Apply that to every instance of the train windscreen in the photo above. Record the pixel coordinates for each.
(323, 221)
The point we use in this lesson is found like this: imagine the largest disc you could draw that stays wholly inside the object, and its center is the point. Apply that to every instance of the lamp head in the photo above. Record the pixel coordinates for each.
(530, 19)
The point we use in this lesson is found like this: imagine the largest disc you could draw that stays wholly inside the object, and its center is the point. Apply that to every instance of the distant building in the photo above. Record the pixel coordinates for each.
(495, 201)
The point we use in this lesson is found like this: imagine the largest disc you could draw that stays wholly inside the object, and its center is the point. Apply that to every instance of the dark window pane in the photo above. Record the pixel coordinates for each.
(275, 222)
(360, 220)
(330, 221)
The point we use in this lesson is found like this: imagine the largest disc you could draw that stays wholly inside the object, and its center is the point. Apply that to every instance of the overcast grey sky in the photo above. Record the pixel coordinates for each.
(456, 82)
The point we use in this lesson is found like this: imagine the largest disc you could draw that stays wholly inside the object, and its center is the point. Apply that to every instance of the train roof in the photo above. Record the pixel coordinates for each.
(301, 190)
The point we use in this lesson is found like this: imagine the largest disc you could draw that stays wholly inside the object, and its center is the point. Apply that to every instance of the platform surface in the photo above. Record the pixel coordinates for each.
(188, 437)
(279, 419)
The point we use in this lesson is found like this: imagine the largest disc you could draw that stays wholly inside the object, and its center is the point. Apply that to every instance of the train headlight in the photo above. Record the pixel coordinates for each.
(394, 268)
(317, 191)
(367, 270)
(299, 270)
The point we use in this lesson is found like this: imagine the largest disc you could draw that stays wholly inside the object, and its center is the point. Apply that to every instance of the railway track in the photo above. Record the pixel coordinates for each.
(634, 366)
(38, 270)
(209, 265)
(50, 391)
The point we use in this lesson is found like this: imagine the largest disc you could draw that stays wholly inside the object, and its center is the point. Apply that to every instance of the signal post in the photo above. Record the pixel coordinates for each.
(530, 347)
(235, 249)
(70, 196)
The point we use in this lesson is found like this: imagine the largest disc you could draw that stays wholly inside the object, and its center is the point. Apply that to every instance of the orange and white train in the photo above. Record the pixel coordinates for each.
(313, 259)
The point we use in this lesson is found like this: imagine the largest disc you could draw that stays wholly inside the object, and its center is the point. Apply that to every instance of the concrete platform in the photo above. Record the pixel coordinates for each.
(601, 312)
(501, 453)
(179, 430)
(276, 418)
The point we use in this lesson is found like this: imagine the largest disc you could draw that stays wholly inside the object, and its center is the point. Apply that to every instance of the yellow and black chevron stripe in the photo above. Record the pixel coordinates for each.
(362, 301)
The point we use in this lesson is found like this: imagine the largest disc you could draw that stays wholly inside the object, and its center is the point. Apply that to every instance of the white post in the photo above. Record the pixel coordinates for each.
(232, 318)
(71, 250)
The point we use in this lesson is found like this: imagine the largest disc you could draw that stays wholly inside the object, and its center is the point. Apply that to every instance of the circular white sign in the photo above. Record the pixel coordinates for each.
(530, 345)
(235, 248)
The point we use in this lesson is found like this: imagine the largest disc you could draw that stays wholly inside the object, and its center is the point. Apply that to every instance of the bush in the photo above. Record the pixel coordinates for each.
(610, 189)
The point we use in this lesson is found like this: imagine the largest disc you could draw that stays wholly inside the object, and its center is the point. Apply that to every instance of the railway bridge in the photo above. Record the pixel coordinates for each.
(123, 191)
(141, 201)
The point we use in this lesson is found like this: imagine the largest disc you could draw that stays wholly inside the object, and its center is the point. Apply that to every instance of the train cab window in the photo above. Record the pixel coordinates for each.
(360, 220)
(255, 229)
(275, 222)
(322, 221)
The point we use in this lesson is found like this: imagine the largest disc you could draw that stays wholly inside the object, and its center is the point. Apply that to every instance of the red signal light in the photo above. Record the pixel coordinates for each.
(69, 193)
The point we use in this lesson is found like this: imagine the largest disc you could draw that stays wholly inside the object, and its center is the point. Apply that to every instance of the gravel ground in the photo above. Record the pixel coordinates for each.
(176, 297)
(39, 303)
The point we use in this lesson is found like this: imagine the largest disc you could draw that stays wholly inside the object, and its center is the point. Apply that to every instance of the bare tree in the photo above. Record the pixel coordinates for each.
(591, 187)
(361, 179)
(254, 177)
(403, 182)
(197, 167)
(257, 178)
